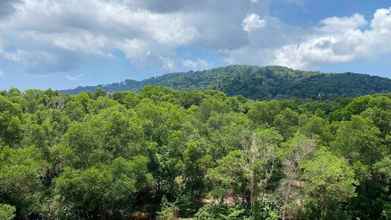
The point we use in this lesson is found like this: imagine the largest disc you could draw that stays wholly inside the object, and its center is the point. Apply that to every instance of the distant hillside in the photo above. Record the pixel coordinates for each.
(261, 82)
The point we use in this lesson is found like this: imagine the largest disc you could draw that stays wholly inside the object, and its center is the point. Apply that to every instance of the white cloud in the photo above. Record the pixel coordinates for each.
(7, 7)
(343, 24)
(318, 50)
(56, 36)
(146, 32)
(253, 22)
(263, 43)
(197, 64)
(134, 48)
(104, 27)
(168, 63)
(340, 40)
(28, 57)
(79, 41)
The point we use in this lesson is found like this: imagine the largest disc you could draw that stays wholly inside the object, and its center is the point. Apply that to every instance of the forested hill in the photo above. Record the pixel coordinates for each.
(261, 83)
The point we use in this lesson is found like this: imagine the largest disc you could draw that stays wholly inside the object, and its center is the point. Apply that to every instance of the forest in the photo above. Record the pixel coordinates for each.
(166, 154)
(255, 82)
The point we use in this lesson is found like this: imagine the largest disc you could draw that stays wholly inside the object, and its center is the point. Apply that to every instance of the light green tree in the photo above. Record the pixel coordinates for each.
(328, 179)
(7, 212)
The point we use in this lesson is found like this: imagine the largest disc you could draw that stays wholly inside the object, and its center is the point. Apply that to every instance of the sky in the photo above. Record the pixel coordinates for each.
(62, 44)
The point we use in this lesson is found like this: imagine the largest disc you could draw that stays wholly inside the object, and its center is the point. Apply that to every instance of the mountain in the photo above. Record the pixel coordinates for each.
(260, 82)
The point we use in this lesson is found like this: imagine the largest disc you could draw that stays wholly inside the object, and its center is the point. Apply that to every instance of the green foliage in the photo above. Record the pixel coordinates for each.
(168, 211)
(96, 190)
(229, 177)
(358, 140)
(317, 127)
(10, 123)
(20, 183)
(221, 212)
(7, 212)
(195, 154)
(328, 180)
(286, 122)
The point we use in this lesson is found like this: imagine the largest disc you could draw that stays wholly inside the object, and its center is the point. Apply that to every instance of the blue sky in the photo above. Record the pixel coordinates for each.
(66, 43)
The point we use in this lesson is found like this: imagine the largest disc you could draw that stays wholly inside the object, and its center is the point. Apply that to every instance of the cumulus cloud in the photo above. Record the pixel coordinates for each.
(253, 22)
(342, 24)
(197, 64)
(7, 7)
(146, 32)
(340, 40)
(180, 64)
(134, 48)
(58, 36)
(263, 43)
(106, 26)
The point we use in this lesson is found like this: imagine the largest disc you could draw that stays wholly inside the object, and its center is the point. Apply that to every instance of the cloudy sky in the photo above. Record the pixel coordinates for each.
(65, 43)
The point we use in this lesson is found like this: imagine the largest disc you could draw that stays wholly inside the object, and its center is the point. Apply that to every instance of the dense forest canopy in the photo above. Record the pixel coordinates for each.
(261, 83)
(193, 154)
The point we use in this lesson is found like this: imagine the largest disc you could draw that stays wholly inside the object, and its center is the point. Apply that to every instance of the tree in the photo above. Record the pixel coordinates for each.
(246, 173)
(286, 122)
(7, 212)
(229, 177)
(79, 106)
(20, 179)
(114, 132)
(10, 123)
(227, 132)
(328, 180)
(103, 191)
(261, 160)
(383, 177)
(262, 113)
(210, 105)
(380, 117)
(195, 164)
(298, 149)
(128, 99)
(317, 128)
(358, 140)
(197, 154)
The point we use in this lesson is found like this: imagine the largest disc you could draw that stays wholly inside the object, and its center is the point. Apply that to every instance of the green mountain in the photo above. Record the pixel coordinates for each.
(261, 82)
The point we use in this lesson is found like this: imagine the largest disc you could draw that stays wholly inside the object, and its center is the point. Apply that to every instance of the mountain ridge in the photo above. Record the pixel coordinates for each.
(259, 82)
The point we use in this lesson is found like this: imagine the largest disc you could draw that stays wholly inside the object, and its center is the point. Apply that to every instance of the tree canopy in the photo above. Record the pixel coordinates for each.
(193, 154)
